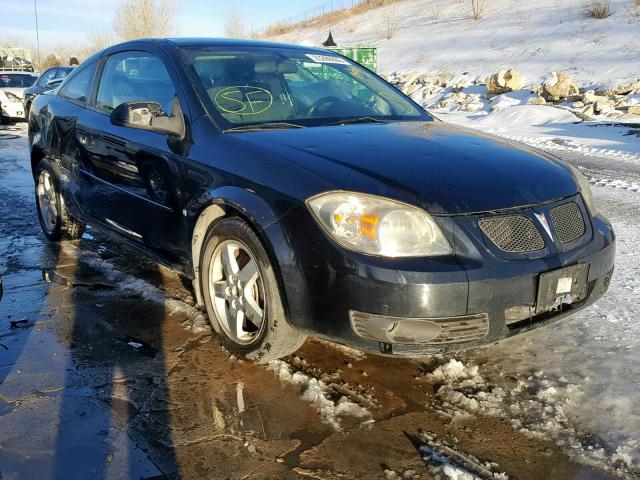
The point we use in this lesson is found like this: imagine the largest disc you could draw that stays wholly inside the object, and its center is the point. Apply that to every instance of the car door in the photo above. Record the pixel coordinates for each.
(132, 176)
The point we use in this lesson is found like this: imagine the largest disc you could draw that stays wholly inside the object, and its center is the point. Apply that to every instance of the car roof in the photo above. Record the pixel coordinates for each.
(216, 42)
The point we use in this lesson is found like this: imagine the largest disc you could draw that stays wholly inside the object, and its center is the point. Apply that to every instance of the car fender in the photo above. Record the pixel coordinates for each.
(232, 200)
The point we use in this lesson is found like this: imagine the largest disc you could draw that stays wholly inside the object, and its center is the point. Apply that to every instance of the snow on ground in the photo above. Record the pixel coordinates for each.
(577, 382)
(534, 37)
(554, 129)
(319, 395)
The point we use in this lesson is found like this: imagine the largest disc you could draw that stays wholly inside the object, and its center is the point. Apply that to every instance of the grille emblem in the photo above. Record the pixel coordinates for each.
(543, 221)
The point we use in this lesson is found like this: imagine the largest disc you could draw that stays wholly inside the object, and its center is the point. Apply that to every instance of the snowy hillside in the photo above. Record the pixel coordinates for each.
(440, 36)
(435, 52)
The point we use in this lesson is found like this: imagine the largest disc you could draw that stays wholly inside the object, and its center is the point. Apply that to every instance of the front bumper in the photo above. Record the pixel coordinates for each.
(13, 110)
(485, 296)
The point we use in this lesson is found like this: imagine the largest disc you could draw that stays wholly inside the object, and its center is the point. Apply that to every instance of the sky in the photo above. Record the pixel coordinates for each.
(69, 21)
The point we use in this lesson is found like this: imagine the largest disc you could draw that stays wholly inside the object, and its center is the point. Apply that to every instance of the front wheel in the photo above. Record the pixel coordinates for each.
(241, 294)
(56, 222)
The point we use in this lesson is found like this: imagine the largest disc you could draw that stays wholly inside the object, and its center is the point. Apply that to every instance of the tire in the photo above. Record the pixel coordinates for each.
(249, 280)
(57, 223)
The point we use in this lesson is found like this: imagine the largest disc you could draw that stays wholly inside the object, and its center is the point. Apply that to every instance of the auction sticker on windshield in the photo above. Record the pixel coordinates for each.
(327, 59)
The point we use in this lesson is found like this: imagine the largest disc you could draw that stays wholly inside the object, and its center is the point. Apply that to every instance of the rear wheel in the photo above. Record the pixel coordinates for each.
(56, 222)
(241, 294)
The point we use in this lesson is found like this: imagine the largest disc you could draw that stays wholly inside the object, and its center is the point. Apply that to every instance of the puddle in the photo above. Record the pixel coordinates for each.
(52, 276)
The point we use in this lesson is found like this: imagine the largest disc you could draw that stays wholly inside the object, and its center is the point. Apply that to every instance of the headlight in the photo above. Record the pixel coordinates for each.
(378, 226)
(12, 97)
(585, 190)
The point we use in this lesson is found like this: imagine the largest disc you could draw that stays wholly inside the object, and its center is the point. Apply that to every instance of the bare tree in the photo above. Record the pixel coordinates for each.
(98, 40)
(477, 6)
(50, 61)
(234, 26)
(145, 18)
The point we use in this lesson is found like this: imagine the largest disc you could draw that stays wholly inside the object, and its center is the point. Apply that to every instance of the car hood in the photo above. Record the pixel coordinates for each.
(18, 92)
(441, 167)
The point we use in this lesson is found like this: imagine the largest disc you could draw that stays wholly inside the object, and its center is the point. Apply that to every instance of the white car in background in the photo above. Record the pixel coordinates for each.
(12, 85)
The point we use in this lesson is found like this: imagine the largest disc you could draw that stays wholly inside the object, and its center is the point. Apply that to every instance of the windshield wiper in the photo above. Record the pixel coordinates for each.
(352, 121)
(263, 126)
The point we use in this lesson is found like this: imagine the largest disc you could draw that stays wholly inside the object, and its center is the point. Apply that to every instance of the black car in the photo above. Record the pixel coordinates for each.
(305, 195)
(48, 80)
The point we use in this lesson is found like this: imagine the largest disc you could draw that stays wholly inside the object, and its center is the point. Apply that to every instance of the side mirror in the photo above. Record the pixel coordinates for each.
(147, 115)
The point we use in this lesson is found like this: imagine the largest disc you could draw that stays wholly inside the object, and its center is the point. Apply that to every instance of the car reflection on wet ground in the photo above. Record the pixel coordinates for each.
(108, 371)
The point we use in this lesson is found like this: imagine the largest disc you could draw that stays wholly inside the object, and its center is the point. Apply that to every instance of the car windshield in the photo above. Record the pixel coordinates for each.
(287, 86)
(17, 80)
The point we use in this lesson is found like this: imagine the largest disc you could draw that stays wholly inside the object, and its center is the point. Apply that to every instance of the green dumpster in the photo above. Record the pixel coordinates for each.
(365, 56)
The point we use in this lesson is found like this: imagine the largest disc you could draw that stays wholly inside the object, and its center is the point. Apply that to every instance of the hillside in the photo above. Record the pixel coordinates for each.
(440, 36)
(440, 56)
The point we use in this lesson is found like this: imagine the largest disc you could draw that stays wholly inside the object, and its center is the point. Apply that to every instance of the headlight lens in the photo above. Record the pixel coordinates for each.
(585, 190)
(378, 226)
(12, 97)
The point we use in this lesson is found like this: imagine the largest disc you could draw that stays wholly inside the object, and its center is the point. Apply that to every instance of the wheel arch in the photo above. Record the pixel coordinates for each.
(37, 154)
(235, 201)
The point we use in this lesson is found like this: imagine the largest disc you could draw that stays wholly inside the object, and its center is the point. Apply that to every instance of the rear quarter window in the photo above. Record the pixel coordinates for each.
(78, 87)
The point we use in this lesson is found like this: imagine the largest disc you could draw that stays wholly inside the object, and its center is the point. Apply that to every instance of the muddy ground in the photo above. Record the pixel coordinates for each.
(108, 371)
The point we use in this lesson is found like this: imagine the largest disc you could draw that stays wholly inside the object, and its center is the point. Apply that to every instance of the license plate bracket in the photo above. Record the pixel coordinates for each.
(557, 286)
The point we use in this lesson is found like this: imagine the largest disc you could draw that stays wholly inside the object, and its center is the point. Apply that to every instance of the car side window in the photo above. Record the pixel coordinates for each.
(47, 76)
(79, 86)
(131, 76)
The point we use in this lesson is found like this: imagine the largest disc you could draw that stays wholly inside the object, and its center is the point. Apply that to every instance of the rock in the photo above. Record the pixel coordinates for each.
(614, 114)
(588, 111)
(425, 78)
(634, 110)
(504, 81)
(621, 89)
(558, 86)
(410, 82)
(602, 105)
(411, 89)
(537, 100)
(577, 104)
(459, 83)
(589, 97)
(471, 104)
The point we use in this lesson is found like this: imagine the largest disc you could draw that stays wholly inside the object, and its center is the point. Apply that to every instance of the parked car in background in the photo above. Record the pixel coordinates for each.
(304, 195)
(48, 80)
(12, 86)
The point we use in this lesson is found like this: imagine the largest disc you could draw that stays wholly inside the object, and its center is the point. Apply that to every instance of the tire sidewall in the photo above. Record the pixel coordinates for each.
(56, 234)
(236, 229)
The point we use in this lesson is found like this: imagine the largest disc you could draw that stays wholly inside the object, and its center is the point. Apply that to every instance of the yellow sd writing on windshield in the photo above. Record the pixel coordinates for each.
(244, 100)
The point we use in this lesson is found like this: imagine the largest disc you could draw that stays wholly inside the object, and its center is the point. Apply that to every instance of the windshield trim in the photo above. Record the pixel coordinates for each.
(223, 124)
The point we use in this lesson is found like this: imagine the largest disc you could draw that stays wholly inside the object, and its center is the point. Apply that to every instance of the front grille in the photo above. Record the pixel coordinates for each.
(568, 222)
(512, 233)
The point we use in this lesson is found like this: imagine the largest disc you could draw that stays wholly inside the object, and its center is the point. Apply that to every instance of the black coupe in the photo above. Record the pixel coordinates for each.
(305, 195)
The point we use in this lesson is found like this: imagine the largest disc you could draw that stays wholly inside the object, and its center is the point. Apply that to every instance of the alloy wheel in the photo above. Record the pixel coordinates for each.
(237, 292)
(47, 201)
